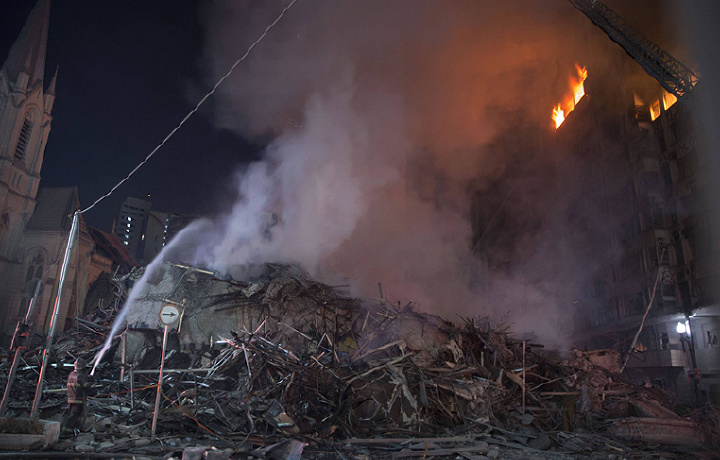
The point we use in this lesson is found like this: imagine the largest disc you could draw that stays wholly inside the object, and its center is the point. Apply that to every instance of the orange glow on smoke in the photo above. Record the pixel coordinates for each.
(577, 89)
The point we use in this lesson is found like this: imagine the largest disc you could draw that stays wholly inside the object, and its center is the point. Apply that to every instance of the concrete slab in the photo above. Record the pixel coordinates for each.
(27, 434)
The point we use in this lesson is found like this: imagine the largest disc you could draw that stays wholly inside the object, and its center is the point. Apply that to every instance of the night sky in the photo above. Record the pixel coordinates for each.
(129, 72)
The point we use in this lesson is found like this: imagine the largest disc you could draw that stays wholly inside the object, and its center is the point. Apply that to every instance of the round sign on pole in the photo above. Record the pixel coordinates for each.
(169, 314)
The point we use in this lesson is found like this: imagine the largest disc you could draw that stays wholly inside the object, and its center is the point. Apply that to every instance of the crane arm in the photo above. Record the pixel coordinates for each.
(668, 71)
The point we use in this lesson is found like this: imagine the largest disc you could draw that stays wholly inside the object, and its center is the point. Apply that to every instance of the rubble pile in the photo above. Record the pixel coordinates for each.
(303, 365)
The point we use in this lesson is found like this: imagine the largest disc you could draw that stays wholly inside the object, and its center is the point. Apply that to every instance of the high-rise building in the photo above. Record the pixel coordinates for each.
(160, 230)
(632, 221)
(145, 231)
(131, 223)
(641, 164)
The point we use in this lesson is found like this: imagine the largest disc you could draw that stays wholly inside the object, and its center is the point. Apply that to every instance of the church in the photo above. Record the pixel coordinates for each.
(34, 221)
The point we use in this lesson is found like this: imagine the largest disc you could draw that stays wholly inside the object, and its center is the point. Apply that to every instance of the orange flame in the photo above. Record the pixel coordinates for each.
(558, 116)
(669, 99)
(577, 83)
(578, 91)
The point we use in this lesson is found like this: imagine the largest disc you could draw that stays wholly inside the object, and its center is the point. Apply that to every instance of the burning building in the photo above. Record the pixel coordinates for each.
(639, 166)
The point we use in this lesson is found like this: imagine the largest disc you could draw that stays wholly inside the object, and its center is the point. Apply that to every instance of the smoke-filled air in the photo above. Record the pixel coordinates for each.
(410, 147)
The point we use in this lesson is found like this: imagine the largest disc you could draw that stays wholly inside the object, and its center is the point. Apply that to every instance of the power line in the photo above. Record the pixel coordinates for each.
(210, 93)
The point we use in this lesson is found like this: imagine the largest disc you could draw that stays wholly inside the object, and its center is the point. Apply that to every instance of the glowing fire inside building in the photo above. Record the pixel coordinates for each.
(577, 91)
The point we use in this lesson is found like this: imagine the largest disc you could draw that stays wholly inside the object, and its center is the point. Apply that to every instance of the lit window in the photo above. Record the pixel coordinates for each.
(668, 99)
(655, 110)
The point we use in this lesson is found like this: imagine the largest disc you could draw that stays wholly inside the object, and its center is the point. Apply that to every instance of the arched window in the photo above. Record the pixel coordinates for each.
(24, 137)
(35, 267)
(36, 264)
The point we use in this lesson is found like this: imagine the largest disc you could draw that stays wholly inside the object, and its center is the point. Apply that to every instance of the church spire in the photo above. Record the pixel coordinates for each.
(51, 87)
(27, 55)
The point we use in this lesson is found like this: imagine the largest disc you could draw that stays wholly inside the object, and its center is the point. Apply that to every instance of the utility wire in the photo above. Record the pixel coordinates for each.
(212, 91)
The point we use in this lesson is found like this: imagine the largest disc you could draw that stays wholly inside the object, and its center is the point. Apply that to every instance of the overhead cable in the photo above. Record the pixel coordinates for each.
(210, 93)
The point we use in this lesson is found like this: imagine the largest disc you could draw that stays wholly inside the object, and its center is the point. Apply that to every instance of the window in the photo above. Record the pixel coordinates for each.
(35, 268)
(629, 267)
(684, 289)
(636, 303)
(4, 224)
(686, 166)
(17, 179)
(34, 271)
(668, 295)
(24, 137)
(655, 110)
(22, 310)
(620, 307)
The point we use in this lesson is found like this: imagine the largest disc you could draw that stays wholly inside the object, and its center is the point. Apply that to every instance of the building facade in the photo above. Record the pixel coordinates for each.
(25, 117)
(131, 223)
(145, 231)
(35, 222)
(641, 164)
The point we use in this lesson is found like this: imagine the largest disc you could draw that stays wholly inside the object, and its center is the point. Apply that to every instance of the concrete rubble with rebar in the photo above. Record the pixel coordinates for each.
(269, 363)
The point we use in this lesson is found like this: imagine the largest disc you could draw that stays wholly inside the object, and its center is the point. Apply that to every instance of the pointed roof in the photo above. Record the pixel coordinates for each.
(53, 82)
(28, 52)
(54, 209)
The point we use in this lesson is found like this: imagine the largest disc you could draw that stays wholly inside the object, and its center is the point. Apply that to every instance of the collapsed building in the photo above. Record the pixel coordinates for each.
(269, 356)
(280, 299)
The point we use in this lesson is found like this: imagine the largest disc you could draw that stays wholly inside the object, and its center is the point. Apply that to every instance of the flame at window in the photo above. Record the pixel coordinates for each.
(577, 91)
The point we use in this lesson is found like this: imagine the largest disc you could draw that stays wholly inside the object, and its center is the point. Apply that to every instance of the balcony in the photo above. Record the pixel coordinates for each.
(658, 358)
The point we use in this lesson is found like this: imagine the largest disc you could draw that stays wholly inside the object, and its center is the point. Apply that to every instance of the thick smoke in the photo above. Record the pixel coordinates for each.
(392, 121)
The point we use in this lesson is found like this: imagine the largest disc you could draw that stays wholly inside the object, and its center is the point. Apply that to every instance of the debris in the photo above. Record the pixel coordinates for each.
(659, 430)
(275, 363)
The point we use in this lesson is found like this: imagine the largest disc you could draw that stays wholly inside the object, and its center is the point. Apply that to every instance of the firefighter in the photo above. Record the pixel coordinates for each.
(78, 387)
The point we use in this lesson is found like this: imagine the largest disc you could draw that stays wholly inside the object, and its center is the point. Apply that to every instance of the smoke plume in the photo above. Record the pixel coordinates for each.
(395, 125)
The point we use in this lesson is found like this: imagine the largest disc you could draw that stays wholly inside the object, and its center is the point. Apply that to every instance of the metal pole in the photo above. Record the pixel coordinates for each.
(123, 362)
(157, 394)
(523, 399)
(132, 388)
(696, 384)
(11, 380)
(53, 322)
(22, 332)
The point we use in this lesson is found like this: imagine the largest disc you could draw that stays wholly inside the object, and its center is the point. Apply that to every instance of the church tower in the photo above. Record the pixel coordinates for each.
(25, 107)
